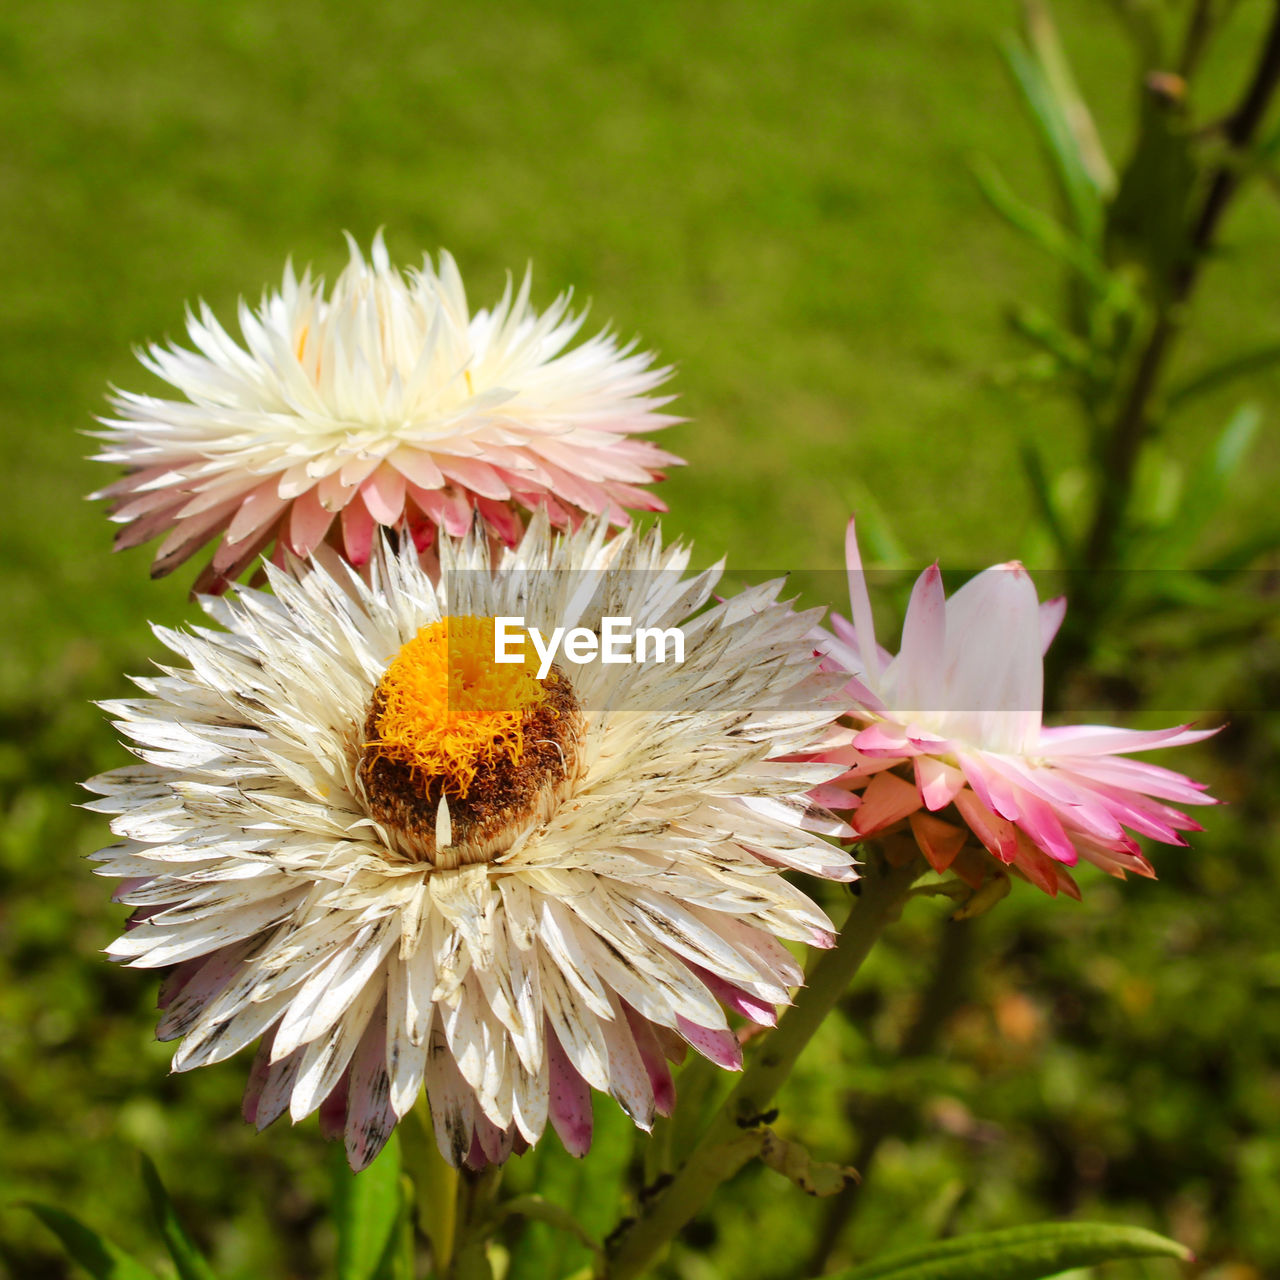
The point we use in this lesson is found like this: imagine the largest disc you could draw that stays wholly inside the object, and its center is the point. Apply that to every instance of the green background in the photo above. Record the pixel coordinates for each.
(776, 198)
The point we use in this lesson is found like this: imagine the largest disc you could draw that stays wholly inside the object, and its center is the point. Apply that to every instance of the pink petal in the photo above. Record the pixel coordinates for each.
(742, 1002)
(997, 834)
(831, 796)
(473, 474)
(383, 493)
(887, 799)
(447, 507)
(1037, 866)
(721, 1047)
(258, 509)
(655, 1062)
(357, 531)
(1040, 821)
(994, 675)
(308, 524)
(418, 467)
(860, 606)
(883, 739)
(1098, 739)
(1052, 613)
(917, 670)
(504, 522)
(938, 781)
(332, 493)
(570, 1103)
(939, 841)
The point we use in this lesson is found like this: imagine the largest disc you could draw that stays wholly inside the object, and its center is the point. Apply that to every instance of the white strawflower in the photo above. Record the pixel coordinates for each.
(387, 402)
(401, 865)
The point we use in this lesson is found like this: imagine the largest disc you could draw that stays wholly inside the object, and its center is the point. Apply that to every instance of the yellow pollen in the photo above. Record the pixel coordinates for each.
(471, 387)
(445, 707)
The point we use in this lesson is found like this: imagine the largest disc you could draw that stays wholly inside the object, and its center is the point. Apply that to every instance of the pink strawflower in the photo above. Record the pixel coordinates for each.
(952, 725)
(386, 402)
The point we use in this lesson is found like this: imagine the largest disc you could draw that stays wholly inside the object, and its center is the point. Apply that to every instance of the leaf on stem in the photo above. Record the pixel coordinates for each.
(1203, 500)
(1046, 504)
(1255, 360)
(96, 1254)
(187, 1259)
(1055, 239)
(537, 1209)
(793, 1161)
(995, 887)
(1019, 1253)
(1060, 85)
(367, 1207)
(1057, 112)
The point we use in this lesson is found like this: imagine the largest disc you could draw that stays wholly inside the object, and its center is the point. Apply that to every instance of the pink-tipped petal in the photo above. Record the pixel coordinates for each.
(570, 1102)
(860, 606)
(721, 1047)
(999, 835)
(383, 494)
(1052, 613)
(917, 672)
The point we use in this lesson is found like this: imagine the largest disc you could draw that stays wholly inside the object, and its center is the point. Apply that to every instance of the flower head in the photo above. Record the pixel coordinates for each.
(403, 866)
(384, 402)
(952, 724)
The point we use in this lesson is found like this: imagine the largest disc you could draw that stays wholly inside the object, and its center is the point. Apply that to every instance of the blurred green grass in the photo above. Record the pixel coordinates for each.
(776, 198)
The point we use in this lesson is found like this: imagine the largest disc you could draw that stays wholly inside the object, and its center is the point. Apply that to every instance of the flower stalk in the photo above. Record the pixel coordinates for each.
(722, 1151)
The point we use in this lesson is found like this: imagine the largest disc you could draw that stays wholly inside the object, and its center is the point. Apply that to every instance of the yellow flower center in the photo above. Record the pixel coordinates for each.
(446, 707)
(463, 756)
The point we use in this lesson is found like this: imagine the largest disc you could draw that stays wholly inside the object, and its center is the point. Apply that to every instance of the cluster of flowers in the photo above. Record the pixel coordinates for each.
(501, 891)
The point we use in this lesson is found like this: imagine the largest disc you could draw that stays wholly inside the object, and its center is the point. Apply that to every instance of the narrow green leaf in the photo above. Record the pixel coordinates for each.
(366, 1207)
(1038, 482)
(97, 1255)
(1244, 551)
(1047, 232)
(554, 1215)
(1019, 1253)
(188, 1260)
(1081, 193)
(1203, 500)
(1073, 110)
(397, 1261)
(1220, 375)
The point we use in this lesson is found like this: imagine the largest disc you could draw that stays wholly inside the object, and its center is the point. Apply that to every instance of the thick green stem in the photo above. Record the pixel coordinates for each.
(1131, 426)
(1132, 421)
(720, 1152)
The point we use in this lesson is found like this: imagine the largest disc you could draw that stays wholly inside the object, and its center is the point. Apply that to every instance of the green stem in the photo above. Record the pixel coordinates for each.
(1131, 425)
(436, 1187)
(720, 1152)
(1134, 419)
(476, 1193)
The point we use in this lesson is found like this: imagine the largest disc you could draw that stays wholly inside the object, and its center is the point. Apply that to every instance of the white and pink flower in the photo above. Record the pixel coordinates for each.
(952, 726)
(385, 402)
